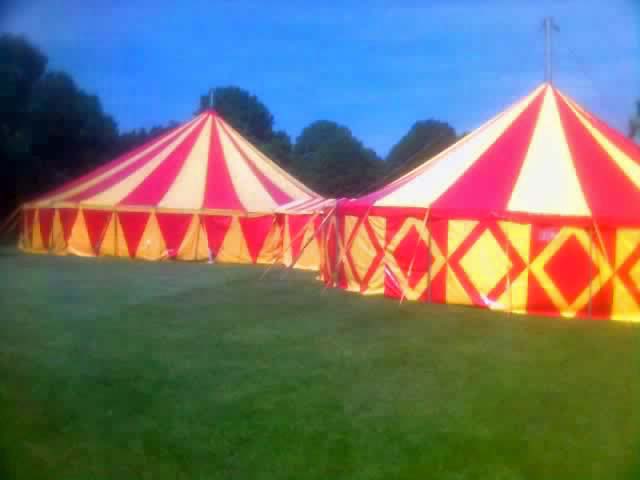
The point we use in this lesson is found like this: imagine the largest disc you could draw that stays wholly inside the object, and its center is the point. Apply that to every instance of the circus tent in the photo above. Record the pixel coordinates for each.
(201, 191)
(537, 211)
(303, 224)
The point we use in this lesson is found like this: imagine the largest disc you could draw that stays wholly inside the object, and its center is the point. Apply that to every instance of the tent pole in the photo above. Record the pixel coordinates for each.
(549, 26)
(602, 247)
(50, 239)
(8, 221)
(327, 259)
(347, 247)
(334, 282)
(115, 235)
(590, 274)
(506, 249)
(280, 256)
(13, 224)
(198, 227)
(430, 261)
(313, 237)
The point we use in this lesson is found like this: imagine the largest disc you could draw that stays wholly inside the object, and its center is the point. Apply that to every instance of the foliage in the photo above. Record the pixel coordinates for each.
(50, 130)
(136, 138)
(424, 140)
(279, 148)
(334, 161)
(244, 111)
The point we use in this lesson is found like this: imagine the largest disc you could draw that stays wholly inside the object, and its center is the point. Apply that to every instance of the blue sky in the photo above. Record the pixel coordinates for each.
(374, 66)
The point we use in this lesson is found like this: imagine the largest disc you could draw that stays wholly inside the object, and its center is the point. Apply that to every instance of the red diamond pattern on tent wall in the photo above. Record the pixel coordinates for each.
(415, 262)
(573, 280)
(486, 244)
(570, 272)
(413, 256)
(364, 252)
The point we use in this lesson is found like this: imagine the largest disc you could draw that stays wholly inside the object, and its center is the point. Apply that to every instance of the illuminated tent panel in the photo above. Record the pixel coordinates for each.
(201, 191)
(536, 211)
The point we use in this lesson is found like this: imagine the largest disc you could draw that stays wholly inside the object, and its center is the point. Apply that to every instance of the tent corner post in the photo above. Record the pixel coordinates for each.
(198, 227)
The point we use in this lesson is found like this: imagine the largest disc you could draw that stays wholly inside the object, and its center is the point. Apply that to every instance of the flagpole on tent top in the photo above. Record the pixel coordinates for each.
(549, 26)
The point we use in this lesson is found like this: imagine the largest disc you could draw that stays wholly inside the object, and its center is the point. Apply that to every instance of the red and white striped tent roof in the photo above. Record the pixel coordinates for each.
(202, 165)
(543, 156)
(315, 205)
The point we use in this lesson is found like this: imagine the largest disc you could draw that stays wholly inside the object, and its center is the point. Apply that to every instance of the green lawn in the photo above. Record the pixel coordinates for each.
(112, 369)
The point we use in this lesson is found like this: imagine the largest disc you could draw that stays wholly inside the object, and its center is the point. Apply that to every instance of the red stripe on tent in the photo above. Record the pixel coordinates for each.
(173, 227)
(274, 191)
(608, 191)
(220, 192)
(112, 180)
(488, 184)
(157, 184)
(45, 218)
(629, 147)
(296, 225)
(217, 228)
(114, 163)
(373, 197)
(96, 222)
(133, 225)
(256, 230)
(67, 219)
(160, 143)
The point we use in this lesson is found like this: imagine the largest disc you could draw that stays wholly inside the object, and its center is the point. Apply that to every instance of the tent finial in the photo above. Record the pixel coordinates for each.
(549, 26)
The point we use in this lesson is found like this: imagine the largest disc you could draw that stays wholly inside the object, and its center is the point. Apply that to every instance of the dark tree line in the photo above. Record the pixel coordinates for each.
(51, 131)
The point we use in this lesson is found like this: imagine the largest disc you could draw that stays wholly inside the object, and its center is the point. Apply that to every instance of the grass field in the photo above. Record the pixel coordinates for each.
(113, 370)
